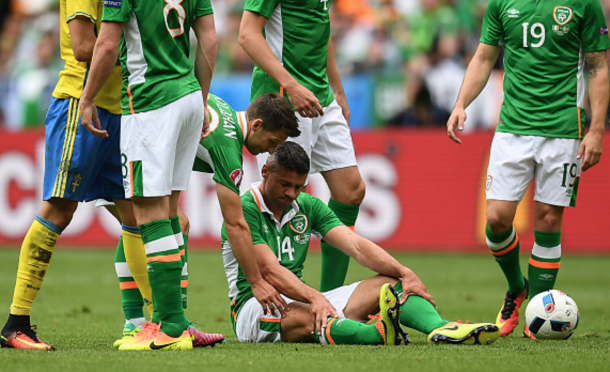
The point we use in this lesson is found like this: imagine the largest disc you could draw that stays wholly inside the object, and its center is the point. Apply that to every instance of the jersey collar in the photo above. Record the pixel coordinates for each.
(260, 201)
(243, 123)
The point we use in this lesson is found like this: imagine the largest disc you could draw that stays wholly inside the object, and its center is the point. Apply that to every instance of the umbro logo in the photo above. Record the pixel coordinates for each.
(513, 13)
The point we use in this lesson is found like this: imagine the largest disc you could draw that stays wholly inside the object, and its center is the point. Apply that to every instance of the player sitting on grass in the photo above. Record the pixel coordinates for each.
(281, 220)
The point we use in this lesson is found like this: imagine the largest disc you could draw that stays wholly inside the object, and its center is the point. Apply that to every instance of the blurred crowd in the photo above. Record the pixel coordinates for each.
(422, 47)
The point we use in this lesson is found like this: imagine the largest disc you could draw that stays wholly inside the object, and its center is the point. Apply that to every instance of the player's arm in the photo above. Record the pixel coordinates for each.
(82, 34)
(252, 41)
(475, 79)
(372, 256)
(104, 58)
(599, 95)
(291, 286)
(238, 234)
(334, 80)
(205, 58)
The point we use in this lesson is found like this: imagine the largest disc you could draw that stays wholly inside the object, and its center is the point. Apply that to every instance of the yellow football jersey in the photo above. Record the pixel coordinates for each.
(74, 74)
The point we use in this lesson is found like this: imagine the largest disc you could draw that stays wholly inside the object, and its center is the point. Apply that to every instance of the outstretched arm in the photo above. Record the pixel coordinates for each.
(238, 233)
(475, 79)
(372, 256)
(599, 92)
(104, 59)
(334, 80)
(252, 41)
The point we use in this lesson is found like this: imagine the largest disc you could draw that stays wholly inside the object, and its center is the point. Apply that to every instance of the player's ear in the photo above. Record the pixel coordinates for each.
(265, 171)
(257, 124)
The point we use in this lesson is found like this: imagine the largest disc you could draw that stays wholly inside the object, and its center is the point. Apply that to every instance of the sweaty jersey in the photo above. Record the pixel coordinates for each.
(297, 32)
(544, 42)
(288, 238)
(74, 75)
(155, 50)
(221, 152)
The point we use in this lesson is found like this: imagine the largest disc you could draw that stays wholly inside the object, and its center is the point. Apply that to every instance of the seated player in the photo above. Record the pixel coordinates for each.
(266, 123)
(282, 219)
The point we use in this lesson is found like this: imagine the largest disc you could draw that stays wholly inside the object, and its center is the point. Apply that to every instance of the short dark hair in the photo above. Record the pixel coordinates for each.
(290, 156)
(276, 114)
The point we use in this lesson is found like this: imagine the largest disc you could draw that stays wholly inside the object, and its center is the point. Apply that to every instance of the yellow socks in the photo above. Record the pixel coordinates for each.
(135, 255)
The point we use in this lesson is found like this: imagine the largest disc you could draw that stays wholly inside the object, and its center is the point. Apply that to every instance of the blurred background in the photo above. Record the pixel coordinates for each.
(401, 62)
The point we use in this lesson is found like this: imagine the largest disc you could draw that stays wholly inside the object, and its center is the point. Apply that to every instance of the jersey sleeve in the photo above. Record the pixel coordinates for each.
(594, 32)
(252, 216)
(85, 8)
(491, 31)
(202, 8)
(323, 219)
(117, 10)
(262, 7)
(228, 166)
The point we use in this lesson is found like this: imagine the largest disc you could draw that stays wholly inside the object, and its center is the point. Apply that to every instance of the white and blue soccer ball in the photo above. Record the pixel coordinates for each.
(552, 315)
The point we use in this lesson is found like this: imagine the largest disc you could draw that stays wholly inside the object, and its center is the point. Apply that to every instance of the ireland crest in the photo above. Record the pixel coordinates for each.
(562, 15)
(298, 223)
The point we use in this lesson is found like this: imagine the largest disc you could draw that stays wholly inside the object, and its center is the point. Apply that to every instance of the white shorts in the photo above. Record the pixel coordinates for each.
(254, 325)
(159, 146)
(326, 139)
(516, 159)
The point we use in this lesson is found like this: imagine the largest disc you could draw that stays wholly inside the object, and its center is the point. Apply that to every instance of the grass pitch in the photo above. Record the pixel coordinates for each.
(79, 312)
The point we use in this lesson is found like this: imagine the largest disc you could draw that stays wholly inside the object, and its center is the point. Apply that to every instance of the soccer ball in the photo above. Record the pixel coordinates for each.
(552, 315)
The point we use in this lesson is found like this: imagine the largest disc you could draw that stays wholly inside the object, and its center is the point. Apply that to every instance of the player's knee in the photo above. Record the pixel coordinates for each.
(356, 194)
(497, 222)
(548, 222)
(58, 211)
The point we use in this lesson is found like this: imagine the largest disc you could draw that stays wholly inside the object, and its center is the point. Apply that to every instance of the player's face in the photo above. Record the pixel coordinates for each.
(282, 187)
(260, 141)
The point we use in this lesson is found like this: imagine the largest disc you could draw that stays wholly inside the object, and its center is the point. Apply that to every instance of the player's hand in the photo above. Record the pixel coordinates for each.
(412, 285)
(89, 119)
(456, 121)
(342, 101)
(304, 101)
(269, 298)
(321, 309)
(591, 149)
(205, 131)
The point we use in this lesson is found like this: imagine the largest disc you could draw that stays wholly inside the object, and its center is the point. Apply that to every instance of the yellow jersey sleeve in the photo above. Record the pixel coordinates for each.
(74, 75)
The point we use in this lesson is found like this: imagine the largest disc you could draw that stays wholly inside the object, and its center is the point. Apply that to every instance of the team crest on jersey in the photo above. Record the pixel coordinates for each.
(237, 176)
(562, 15)
(490, 180)
(298, 223)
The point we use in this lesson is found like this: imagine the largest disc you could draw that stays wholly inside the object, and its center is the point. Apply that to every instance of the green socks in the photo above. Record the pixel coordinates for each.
(418, 313)
(131, 298)
(544, 262)
(341, 331)
(505, 248)
(334, 262)
(164, 273)
(182, 240)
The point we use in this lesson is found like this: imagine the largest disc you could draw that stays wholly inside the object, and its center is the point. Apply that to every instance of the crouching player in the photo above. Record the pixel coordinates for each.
(281, 220)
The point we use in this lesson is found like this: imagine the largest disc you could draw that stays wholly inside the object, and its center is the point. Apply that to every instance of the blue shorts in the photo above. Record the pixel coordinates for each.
(78, 165)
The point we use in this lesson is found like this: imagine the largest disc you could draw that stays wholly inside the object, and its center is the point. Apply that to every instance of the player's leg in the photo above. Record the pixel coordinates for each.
(511, 169)
(69, 150)
(333, 156)
(557, 180)
(151, 152)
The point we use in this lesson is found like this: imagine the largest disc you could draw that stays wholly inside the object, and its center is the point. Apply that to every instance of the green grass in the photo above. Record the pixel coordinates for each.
(79, 312)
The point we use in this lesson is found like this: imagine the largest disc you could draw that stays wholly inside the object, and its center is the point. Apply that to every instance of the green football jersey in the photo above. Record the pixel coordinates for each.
(221, 152)
(297, 32)
(544, 42)
(288, 238)
(155, 50)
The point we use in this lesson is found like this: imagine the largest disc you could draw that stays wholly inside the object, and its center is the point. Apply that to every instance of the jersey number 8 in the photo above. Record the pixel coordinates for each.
(174, 4)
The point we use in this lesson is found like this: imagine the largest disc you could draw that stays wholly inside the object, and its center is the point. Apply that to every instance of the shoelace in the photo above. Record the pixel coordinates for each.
(509, 305)
(30, 332)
